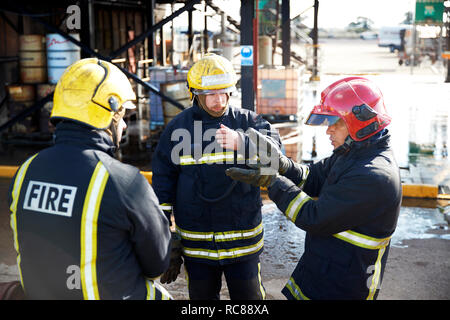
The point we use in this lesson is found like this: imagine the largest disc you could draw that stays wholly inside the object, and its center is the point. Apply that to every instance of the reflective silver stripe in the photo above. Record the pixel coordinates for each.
(376, 274)
(165, 206)
(295, 290)
(238, 235)
(220, 236)
(362, 240)
(89, 218)
(223, 253)
(305, 173)
(261, 287)
(295, 205)
(210, 158)
(153, 287)
(20, 176)
(191, 235)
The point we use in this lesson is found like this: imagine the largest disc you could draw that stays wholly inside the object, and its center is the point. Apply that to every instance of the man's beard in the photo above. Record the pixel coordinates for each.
(216, 114)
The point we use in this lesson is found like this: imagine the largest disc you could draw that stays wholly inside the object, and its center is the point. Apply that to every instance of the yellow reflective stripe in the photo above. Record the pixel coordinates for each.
(153, 287)
(88, 239)
(220, 236)
(150, 290)
(295, 205)
(305, 173)
(165, 295)
(261, 288)
(15, 198)
(238, 235)
(376, 275)
(362, 240)
(295, 290)
(195, 236)
(219, 157)
(223, 253)
(165, 206)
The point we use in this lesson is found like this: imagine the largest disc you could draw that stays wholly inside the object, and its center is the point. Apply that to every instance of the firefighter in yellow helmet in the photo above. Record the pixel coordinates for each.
(87, 226)
(217, 220)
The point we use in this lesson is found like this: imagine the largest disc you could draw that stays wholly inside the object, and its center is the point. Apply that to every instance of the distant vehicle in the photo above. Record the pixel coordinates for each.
(368, 35)
(390, 37)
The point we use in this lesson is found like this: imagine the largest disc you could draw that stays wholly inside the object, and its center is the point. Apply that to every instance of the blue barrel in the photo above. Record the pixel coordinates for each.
(61, 53)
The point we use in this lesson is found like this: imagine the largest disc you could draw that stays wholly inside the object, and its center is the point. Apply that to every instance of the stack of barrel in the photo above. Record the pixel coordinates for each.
(279, 100)
(42, 60)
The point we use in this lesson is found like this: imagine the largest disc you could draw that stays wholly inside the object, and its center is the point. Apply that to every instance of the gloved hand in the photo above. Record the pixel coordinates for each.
(176, 261)
(257, 176)
(268, 152)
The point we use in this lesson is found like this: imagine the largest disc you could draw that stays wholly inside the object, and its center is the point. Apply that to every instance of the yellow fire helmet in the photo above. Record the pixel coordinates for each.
(91, 91)
(211, 74)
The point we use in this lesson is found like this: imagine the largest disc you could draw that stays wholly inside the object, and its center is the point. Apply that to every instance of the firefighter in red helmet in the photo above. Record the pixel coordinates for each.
(348, 203)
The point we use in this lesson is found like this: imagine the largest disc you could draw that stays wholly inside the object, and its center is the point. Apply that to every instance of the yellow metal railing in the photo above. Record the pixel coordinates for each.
(409, 190)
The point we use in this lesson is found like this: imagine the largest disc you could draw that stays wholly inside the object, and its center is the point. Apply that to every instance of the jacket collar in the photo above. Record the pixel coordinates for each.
(68, 132)
(381, 138)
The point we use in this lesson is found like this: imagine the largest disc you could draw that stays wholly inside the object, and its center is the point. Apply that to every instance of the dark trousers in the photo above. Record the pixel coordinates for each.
(243, 280)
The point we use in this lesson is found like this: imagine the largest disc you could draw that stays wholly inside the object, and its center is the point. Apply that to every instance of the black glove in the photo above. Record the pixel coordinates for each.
(176, 261)
(258, 176)
(268, 151)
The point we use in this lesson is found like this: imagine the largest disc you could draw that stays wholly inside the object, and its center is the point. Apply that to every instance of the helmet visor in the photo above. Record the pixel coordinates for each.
(321, 120)
(213, 91)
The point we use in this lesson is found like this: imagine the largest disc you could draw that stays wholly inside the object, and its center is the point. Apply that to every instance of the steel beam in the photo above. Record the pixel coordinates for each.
(247, 91)
(189, 5)
(286, 32)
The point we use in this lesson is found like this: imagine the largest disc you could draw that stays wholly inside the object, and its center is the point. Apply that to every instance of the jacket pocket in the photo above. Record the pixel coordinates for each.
(246, 206)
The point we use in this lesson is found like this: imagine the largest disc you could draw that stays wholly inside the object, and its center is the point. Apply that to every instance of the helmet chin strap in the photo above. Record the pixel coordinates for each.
(113, 129)
(346, 146)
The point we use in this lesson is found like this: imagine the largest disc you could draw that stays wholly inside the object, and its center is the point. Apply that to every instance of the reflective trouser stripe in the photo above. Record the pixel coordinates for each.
(15, 198)
(295, 205)
(261, 288)
(153, 288)
(223, 253)
(376, 274)
(362, 240)
(89, 219)
(295, 290)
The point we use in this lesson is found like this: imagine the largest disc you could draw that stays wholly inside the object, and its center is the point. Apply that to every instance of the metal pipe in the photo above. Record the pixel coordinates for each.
(153, 28)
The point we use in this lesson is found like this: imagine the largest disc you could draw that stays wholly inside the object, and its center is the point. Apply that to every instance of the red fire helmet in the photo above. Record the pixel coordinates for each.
(355, 100)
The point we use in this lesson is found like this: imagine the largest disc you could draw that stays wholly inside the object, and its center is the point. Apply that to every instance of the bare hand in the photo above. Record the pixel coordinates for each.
(228, 138)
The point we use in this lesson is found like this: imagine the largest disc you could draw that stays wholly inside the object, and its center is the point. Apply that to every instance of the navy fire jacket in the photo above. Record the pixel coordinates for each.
(86, 226)
(219, 220)
(349, 226)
